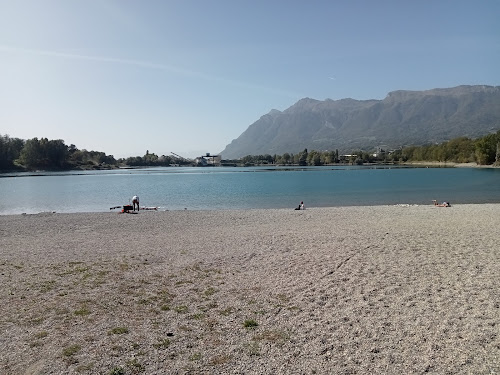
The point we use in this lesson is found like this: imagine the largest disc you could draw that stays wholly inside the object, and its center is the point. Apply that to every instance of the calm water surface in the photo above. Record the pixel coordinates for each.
(244, 188)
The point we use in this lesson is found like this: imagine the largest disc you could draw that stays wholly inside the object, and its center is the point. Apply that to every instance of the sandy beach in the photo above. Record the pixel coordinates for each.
(346, 290)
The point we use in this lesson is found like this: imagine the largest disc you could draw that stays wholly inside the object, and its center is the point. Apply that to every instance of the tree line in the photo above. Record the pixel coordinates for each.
(150, 160)
(45, 154)
(304, 157)
(483, 151)
(48, 154)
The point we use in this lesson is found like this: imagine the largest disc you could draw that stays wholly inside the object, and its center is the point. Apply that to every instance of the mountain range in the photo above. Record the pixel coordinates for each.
(403, 118)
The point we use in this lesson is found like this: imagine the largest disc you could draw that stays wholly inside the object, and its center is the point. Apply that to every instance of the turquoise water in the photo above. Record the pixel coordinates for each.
(244, 188)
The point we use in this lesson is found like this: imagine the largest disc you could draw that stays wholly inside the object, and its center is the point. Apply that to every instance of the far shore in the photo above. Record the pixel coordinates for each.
(112, 167)
(450, 164)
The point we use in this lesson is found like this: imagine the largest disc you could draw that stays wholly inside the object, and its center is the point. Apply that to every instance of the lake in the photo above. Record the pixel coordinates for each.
(223, 188)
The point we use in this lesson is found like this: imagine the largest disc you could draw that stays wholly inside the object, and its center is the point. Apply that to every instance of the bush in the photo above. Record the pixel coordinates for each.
(250, 323)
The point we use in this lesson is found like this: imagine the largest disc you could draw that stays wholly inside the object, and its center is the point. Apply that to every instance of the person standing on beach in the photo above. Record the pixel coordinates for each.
(135, 201)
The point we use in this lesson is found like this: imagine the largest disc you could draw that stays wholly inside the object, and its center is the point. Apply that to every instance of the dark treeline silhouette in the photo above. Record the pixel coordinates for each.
(45, 154)
(10, 150)
(17, 154)
(150, 160)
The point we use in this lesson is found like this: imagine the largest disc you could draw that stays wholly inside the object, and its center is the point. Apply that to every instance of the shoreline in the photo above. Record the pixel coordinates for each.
(449, 164)
(160, 210)
(359, 289)
(40, 172)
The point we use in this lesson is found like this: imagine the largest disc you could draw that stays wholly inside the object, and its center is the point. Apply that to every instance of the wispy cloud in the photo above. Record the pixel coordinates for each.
(143, 64)
(149, 65)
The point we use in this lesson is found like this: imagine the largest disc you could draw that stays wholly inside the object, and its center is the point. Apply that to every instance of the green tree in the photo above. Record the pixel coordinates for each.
(44, 153)
(247, 160)
(396, 156)
(31, 153)
(329, 157)
(165, 160)
(357, 157)
(56, 153)
(150, 159)
(485, 149)
(134, 161)
(460, 150)
(10, 150)
(302, 157)
(497, 156)
(314, 158)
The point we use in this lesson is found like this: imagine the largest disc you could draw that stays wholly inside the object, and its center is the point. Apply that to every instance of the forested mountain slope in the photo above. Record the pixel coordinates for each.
(402, 118)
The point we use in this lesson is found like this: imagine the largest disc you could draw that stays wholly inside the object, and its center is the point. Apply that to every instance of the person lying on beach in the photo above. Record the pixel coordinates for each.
(444, 204)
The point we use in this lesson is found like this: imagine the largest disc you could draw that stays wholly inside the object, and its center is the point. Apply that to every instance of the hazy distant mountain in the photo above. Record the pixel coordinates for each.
(402, 118)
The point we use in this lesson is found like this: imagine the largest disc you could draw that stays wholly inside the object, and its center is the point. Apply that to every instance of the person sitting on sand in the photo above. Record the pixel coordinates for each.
(135, 201)
(301, 206)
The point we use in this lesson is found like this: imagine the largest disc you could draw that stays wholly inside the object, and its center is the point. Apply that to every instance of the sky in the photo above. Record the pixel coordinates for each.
(189, 76)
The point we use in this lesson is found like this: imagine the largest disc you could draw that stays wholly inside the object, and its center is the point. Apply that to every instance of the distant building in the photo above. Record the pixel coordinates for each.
(347, 158)
(208, 160)
(380, 153)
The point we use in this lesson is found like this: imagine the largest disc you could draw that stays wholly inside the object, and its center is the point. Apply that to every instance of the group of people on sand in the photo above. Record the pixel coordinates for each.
(135, 203)
(444, 204)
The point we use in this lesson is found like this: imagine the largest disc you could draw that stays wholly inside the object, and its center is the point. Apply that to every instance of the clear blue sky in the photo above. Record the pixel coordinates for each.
(188, 77)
